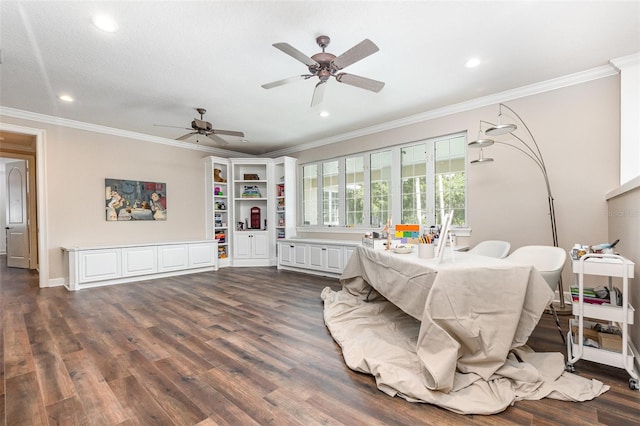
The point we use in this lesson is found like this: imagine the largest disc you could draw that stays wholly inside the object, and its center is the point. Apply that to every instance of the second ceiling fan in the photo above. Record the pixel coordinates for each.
(325, 65)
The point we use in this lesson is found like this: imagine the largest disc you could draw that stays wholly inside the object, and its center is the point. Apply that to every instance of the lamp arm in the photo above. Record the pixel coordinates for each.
(539, 155)
(535, 160)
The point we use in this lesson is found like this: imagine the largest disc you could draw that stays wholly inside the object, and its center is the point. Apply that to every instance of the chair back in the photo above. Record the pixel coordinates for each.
(548, 260)
(492, 248)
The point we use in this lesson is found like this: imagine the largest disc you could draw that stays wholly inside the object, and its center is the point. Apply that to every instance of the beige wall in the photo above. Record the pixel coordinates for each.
(78, 161)
(578, 131)
(624, 223)
(577, 128)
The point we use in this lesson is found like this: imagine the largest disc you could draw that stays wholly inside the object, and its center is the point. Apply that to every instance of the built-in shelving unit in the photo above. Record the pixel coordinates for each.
(219, 220)
(249, 212)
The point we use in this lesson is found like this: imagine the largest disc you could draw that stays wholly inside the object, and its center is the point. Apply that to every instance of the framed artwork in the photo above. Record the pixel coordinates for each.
(127, 200)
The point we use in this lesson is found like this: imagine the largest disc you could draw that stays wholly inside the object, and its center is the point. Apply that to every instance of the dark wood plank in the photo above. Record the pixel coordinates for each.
(238, 346)
(24, 405)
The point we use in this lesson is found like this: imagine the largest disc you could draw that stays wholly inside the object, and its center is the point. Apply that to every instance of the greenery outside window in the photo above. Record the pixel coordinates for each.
(415, 183)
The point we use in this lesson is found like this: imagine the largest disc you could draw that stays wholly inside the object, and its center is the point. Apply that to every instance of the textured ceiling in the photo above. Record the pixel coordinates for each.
(170, 57)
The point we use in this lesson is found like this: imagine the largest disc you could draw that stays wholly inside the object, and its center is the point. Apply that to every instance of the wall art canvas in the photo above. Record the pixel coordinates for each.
(127, 200)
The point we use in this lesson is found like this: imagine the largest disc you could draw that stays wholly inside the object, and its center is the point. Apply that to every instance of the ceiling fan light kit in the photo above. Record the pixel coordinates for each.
(325, 65)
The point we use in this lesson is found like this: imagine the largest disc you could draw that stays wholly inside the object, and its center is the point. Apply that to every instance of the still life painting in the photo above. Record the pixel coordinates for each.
(127, 200)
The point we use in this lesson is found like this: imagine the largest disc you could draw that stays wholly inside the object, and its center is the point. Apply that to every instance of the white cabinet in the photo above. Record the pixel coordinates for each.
(621, 316)
(326, 258)
(99, 266)
(320, 257)
(258, 197)
(173, 257)
(139, 261)
(251, 248)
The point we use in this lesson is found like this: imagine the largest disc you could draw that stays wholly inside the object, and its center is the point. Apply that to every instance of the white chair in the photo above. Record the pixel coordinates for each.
(549, 261)
(492, 248)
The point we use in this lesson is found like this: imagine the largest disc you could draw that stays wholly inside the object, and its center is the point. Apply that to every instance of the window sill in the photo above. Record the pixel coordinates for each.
(459, 232)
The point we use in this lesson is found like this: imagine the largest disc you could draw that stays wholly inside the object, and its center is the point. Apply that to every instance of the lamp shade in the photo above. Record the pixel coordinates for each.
(481, 143)
(482, 158)
(500, 129)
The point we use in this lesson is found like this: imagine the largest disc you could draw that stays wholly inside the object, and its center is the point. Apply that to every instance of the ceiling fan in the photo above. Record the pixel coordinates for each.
(205, 128)
(324, 65)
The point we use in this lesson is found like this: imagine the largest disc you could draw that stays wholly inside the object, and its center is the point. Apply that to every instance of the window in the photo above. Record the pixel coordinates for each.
(354, 190)
(416, 182)
(330, 188)
(380, 187)
(310, 194)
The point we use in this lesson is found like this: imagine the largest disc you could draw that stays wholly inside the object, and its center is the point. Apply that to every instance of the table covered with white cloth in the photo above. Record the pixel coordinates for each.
(451, 333)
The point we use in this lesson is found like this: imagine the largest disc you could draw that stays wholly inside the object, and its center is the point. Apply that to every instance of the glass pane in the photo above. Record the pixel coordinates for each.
(330, 192)
(414, 178)
(380, 192)
(450, 179)
(310, 194)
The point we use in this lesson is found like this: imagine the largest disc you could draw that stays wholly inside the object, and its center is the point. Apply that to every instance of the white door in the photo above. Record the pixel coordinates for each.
(260, 245)
(17, 230)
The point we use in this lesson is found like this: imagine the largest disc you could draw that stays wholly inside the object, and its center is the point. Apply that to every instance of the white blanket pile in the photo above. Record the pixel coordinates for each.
(465, 351)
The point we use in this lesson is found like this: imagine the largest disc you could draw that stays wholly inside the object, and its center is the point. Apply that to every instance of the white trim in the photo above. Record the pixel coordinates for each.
(64, 122)
(532, 89)
(42, 216)
(623, 189)
(626, 61)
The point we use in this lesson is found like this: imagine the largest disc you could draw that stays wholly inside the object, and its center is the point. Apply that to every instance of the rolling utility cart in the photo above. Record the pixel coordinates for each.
(613, 351)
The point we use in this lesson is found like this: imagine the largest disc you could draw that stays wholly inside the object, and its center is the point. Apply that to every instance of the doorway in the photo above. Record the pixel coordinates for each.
(16, 147)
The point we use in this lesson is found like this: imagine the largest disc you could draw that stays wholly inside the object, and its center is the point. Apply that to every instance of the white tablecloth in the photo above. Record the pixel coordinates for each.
(447, 333)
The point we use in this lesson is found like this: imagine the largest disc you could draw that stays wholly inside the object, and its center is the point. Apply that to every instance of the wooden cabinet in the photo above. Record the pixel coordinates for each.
(99, 266)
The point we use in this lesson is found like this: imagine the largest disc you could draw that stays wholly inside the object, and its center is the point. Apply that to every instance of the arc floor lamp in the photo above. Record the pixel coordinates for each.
(532, 151)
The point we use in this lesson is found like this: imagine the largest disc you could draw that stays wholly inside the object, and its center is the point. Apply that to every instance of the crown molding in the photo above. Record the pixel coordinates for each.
(553, 84)
(626, 61)
(521, 92)
(80, 125)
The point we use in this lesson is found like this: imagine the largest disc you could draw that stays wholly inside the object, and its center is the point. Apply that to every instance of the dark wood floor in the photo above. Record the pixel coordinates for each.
(240, 346)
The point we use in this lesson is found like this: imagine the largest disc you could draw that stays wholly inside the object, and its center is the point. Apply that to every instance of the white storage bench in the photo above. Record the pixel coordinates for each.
(105, 265)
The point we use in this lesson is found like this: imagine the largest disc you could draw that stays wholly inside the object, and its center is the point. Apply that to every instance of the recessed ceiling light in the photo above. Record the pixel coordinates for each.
(66, 98)
(324, 114)
(472, 63)
(104, 23)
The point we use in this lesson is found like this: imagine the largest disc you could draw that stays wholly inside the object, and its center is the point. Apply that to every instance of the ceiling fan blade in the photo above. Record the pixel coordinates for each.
(318, 93)
(173, 127)
(360, 51)
(295, 53)
(361, 82)
(228, 133)
(283, 81)
(187, 136)
(217, 139)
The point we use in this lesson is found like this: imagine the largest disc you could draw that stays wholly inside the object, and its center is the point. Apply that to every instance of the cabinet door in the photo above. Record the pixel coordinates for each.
(317, 256)
(202, 254)
(286, 251)
(334, 259)
(139, 261)
(300, 256)
(348, 251)
(260, 242)
(173, 257)
(242, 247)
(98, 265)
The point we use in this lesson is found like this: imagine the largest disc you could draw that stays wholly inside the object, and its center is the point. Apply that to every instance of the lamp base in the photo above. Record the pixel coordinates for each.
(566, 310)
